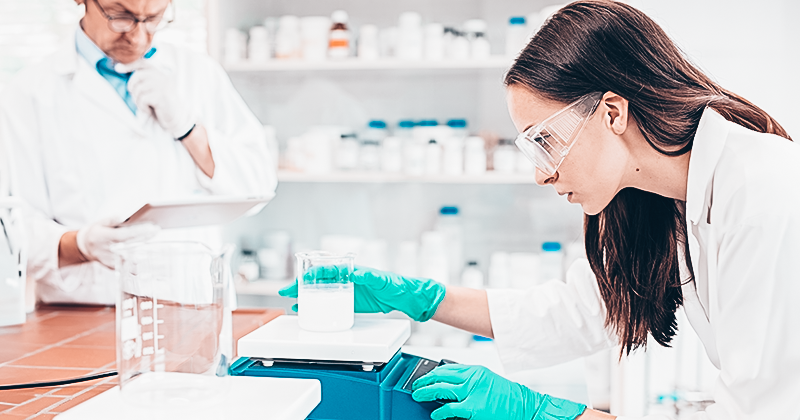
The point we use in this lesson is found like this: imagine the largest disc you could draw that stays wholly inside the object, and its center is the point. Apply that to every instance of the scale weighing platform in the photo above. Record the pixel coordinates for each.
(363, 373)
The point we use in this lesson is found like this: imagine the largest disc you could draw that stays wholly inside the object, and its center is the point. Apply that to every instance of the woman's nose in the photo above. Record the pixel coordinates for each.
(544, 179)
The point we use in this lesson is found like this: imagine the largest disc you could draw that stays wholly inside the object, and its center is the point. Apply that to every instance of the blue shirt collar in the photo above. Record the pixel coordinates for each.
(88, 49)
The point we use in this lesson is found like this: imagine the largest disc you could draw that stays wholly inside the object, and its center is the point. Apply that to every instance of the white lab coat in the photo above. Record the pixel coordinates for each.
(81, 156)
(743, 219)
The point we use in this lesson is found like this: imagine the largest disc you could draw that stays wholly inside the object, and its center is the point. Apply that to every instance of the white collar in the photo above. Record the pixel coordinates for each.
(712, 133)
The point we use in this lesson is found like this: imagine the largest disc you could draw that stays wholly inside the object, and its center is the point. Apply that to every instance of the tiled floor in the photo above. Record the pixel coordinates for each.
(59, 342)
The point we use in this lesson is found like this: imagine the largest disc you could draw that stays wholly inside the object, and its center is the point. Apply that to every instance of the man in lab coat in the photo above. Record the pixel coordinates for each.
(111, 122)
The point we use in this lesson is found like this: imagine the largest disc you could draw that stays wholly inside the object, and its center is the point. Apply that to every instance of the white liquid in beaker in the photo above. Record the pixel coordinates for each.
(173, 390)
(326, 307)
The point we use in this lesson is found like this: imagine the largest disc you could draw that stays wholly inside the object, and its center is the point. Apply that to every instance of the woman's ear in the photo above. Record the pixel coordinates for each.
(616, 109)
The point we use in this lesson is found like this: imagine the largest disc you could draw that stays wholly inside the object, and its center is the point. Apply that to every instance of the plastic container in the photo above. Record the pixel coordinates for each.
(288, 38)
(433, 158)
(410, 36)
(453, 156)
(274, 256)
(314, 30)
(551, 265)
(480, 49)
(434, 41)
(458, 127)
(505, 157)
(173, 322)
(459, 48)
(339, 40)
(517, 35)
(248, 266)
(258, 47)
(474, 156)
(449, 223)
(325, 293)
(392, 155)
(472, 276)
(368, 44)
(369, 156)
(433, 257)
(347, 152)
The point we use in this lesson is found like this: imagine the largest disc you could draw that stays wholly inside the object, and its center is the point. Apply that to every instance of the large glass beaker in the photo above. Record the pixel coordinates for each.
(170, 331)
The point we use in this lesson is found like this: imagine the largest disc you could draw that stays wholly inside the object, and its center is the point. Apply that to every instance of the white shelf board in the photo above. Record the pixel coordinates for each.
(380, 177)
(495, 62)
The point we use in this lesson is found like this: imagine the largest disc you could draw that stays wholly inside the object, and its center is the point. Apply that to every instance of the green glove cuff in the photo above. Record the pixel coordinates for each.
(432, 293)
(557, 409)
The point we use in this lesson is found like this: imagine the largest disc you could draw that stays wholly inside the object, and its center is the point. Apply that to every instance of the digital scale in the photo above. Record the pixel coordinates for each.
(363, 373)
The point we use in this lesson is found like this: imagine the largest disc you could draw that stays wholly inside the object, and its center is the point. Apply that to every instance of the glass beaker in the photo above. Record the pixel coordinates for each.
(170, 334)
(325, 292)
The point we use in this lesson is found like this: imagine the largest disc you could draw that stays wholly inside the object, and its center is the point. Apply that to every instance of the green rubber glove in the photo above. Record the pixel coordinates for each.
(478, 393)
(381, 291)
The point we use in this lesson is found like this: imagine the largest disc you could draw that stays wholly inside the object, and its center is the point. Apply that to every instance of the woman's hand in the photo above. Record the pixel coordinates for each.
(381, 291)
(477, 393)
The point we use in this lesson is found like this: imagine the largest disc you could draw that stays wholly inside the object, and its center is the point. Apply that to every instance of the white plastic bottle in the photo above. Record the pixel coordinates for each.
(476, 33)
(433, 257)
(413, 149)
(368, 45)
(472, 277)
(392, 155)
(315, 31)
(453, 156)
(449, 223)
(434, 41)
(459, 46)
(474, 156)
(517, 34)
(287, 39)
(551, 262)
(258, 47)
(410, 36)
(235, 45)
(433, 158)
(339, 41)
(505, 157)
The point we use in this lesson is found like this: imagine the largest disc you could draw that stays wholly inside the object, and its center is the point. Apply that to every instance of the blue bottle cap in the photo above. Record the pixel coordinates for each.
(449, 210)
(480, 338)
(516, 20)
(377, 124)
(428, 123)
(457, 123)
(405, 124)
(551, 247)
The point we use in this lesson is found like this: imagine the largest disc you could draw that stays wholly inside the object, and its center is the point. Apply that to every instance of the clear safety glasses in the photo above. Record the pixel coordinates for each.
(547, 143)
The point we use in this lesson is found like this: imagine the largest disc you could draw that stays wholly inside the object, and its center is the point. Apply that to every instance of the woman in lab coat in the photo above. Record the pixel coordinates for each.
(692, 199)
(111, 122)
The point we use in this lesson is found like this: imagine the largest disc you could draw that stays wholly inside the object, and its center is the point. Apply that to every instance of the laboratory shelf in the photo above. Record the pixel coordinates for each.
(495, 62)
(379, 177)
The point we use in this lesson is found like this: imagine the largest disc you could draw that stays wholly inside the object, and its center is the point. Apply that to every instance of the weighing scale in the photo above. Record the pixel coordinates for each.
(363, 373)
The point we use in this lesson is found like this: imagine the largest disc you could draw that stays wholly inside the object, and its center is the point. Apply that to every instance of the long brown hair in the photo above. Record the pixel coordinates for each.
(633, 244)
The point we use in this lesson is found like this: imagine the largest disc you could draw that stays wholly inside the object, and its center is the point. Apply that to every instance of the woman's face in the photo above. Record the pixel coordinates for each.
(592, 172)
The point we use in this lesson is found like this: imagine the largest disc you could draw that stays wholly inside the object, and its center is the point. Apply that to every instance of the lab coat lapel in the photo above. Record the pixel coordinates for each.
(92, 85)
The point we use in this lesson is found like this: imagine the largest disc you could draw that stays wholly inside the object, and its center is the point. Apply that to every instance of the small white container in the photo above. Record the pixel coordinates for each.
(392, 155)
(505, 157)
(235, 46)
(474, 155)
(258, 47)
(434, 41)
(453, 156)
(288, 38)
(368, 45)
(551, 262)
(433, 158)
(472, 277)
(517, 35)
(315, 31)
(410, 36)
(339, 40)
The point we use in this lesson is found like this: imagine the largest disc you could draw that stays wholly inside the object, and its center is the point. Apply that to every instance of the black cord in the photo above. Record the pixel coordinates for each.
(58, 383)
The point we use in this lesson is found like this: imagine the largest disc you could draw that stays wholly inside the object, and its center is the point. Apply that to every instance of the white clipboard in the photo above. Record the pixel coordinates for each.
(197, 211)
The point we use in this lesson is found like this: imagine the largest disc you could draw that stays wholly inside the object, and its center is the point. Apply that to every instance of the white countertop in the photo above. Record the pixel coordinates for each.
(249, 398)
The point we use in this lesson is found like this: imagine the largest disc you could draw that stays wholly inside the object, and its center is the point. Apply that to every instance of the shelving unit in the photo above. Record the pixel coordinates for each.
(495, 62)
(379, 178)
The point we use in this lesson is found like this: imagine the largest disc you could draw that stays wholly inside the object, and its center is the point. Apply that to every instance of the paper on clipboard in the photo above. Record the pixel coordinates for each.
(197, 211)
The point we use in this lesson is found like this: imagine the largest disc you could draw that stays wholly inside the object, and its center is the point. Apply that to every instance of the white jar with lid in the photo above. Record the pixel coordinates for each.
(474, 155)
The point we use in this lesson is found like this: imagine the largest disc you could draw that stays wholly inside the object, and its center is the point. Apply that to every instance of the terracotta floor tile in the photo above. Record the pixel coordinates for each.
(70, 357)
(17, 374)
(35, 406)
(18, 396)
(67, 404)
(44, 416)
(37, 335)
(16, 350)
(95, 339)
(4, 407)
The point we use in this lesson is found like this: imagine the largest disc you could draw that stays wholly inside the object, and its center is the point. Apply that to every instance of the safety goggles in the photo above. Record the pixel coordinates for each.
(547, 143)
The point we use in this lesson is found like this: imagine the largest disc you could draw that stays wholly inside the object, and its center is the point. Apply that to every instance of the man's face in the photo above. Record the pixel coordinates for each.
(122, 47)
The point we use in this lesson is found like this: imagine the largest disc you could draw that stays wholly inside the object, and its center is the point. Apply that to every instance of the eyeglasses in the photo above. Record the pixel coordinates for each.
(547, 143)
(127, 22)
